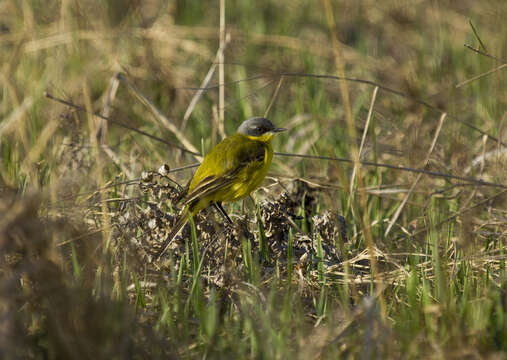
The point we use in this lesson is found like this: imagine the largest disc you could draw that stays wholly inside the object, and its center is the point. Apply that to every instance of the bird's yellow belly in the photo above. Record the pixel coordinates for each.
(244, 182)
(248, 180)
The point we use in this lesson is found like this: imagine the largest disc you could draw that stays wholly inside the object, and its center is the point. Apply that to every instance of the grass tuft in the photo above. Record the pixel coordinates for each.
(396, 251)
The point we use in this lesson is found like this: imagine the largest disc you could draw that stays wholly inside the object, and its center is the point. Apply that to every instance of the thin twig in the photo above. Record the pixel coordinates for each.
(365, 132)
(366, 82)
(161, 117)
(274, 97)
(304, 156)
(483, 53)
(477, 35)
(465, 82)
(397, 167)
(252, 93)
(205, 82)
(119, 123)
(221, 73)
(461, 212)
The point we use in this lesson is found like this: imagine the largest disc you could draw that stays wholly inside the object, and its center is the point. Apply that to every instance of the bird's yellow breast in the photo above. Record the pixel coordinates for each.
(250, 178)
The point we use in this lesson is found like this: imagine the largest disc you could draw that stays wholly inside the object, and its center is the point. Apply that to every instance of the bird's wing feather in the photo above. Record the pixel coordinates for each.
(215, 182)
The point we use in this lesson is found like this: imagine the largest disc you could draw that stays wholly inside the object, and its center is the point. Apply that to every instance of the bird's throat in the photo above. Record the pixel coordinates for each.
(263, 138)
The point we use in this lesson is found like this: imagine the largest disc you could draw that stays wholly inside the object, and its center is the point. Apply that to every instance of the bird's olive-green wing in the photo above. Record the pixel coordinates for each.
(222, 164)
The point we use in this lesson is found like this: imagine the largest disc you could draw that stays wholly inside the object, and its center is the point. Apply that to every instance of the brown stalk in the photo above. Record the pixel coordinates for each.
(416, 181)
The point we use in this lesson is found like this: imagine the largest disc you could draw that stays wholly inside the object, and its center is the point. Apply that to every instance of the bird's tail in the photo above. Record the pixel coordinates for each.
(175, 231)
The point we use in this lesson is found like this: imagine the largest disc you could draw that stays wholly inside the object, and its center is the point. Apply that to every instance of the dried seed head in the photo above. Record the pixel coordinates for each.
(164, 170)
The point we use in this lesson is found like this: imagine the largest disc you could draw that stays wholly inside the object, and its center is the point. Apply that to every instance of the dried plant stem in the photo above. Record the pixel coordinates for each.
(153, 137)
(414, 184)
(102, 124)
(221, 73)
(365, 132)
(160, 117)
(355, 151)
(275, 95)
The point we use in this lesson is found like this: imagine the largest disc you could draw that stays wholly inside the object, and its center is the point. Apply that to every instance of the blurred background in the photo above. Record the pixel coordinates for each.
(70, 288)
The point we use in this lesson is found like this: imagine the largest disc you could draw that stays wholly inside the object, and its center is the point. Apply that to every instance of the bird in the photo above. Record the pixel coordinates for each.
(232, 170)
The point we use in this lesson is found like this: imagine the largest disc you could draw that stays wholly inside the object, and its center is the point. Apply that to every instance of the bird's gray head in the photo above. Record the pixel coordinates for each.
(258, 126)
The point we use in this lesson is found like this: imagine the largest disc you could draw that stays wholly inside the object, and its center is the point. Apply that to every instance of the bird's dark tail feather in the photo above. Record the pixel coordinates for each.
(175, 231)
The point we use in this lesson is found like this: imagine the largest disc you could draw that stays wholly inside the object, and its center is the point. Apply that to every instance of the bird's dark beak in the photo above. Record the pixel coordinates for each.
(277, 130)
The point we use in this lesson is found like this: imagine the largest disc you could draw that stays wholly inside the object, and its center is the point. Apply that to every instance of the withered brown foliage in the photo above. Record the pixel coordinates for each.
(49, 311)
(143, 225)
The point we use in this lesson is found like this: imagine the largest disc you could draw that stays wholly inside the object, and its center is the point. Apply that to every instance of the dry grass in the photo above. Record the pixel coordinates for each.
(331, 259)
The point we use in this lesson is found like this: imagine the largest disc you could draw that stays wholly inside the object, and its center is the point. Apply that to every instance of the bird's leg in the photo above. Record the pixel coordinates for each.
(220, 209)
(182, 194)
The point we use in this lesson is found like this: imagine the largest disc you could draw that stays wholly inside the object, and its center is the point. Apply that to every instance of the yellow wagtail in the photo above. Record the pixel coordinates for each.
(230, 171)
